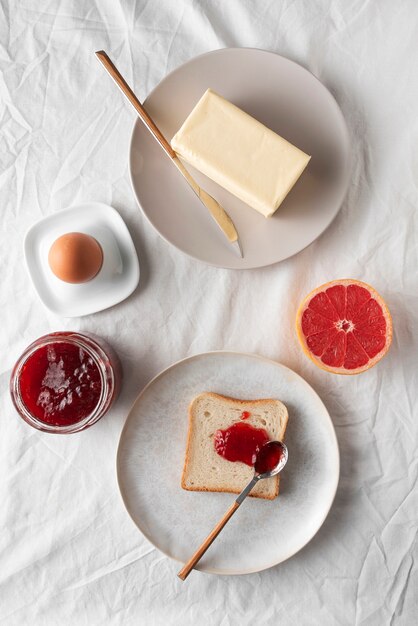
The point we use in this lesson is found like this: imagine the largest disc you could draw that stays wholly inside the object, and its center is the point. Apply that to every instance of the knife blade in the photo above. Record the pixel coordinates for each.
(218, 213)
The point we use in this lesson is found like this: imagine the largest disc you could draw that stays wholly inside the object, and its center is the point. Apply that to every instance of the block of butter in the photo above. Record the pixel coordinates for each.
(239, 153)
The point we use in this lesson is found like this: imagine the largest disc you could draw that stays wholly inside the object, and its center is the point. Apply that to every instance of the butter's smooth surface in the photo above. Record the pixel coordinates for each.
(239, 153)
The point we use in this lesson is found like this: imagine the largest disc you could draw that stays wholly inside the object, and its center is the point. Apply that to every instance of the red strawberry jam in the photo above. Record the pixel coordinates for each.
(240, 442)
(268, 457)
(60, 384)
(65, 381)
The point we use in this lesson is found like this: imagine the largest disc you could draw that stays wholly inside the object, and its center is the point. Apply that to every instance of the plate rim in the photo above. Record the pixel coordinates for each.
(336, 473)
(347, 148)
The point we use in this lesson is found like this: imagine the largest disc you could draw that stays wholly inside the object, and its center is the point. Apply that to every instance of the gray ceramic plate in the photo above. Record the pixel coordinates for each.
(151, 456)
(286, 98)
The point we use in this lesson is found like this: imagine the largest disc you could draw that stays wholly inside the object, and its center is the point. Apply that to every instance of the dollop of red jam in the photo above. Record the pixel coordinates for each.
(60, 384)
(240, 442)
(245, 415)
(268, 457)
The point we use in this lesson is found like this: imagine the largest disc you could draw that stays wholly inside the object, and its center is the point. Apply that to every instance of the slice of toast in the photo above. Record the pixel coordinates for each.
(204, 469)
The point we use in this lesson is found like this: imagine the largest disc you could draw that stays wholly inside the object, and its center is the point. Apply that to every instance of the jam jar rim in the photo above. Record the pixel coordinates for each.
(107, 379)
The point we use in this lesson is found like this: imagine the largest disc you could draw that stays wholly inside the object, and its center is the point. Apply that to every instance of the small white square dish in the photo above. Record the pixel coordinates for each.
(118, 276)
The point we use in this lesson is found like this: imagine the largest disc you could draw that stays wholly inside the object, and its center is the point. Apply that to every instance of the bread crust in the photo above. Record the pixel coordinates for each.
(238, 402)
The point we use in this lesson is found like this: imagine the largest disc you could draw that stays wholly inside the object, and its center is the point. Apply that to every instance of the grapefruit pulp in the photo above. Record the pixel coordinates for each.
(344, 326)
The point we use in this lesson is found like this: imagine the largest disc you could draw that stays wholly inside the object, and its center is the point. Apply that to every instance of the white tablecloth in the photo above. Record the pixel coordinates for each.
(69, 553)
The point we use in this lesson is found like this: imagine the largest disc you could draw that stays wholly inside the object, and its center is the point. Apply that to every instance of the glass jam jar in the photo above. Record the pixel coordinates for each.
(65, 381)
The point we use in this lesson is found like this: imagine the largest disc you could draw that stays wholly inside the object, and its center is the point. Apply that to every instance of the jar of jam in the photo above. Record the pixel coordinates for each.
(64, 382)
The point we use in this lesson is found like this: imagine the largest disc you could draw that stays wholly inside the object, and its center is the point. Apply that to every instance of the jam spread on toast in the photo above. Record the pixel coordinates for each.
(240, 442)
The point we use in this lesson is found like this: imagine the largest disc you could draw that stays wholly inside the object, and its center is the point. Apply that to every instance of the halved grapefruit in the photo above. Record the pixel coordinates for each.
(344, 326)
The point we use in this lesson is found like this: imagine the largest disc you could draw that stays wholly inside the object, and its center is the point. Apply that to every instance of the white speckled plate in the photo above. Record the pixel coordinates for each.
(151, 455)
(285, 97)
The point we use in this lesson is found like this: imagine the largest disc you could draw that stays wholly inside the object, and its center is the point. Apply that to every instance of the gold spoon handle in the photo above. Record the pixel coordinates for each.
(185, 571)
(127, 91)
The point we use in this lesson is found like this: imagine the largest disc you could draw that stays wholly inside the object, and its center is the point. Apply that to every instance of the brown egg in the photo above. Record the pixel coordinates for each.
(75, 257)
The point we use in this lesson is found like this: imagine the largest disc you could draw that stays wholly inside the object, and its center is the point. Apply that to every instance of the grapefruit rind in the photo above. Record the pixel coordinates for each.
(342, 370)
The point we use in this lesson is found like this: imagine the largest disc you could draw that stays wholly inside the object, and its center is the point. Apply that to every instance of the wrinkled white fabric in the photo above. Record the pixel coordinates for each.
(69, 553)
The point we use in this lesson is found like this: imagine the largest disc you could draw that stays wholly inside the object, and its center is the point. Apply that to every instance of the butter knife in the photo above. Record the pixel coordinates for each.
(218, 213)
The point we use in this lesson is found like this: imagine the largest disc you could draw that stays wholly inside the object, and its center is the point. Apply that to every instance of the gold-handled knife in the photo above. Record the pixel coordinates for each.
(218, 213)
